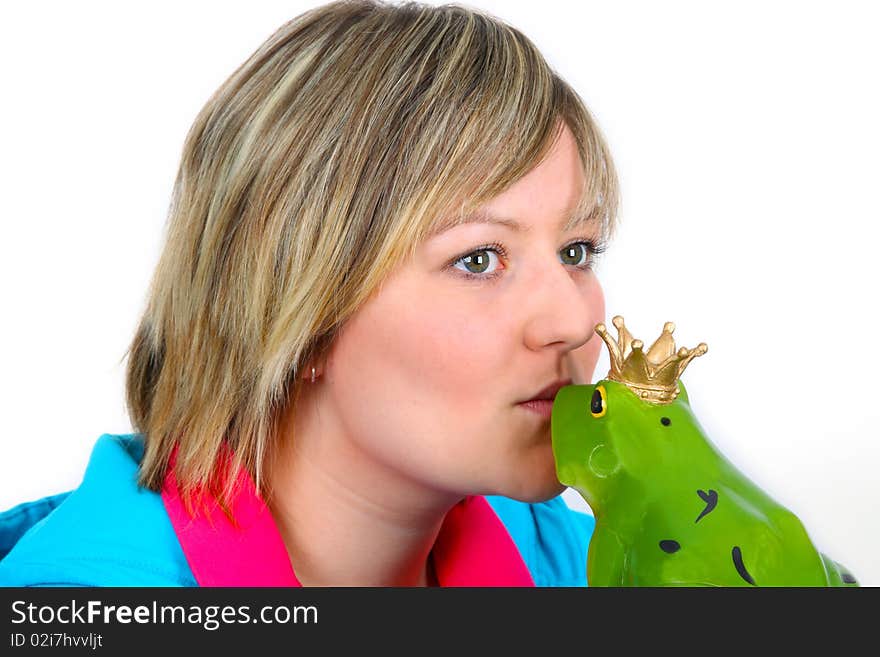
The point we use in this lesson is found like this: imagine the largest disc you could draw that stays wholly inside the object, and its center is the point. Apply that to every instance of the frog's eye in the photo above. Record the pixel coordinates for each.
(598, 402)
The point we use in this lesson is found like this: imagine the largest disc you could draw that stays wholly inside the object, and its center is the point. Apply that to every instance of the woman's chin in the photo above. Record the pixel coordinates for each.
(548, 492)
(536, 489)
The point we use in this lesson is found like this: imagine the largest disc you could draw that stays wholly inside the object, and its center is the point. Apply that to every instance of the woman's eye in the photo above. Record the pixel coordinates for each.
(485, 262)
(575, 254)
(479, 262)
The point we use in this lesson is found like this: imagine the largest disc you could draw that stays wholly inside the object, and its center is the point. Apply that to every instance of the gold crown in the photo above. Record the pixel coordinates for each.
(653, 376)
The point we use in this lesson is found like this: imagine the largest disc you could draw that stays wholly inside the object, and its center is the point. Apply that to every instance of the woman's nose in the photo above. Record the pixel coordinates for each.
(562, 309)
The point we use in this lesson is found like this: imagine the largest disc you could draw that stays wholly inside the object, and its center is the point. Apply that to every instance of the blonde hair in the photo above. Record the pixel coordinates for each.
(320, 163)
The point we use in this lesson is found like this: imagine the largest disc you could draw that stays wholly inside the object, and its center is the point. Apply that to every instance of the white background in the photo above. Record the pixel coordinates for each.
(746, 138)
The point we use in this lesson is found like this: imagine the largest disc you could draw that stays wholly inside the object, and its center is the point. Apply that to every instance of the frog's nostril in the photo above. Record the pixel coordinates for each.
(669, 546)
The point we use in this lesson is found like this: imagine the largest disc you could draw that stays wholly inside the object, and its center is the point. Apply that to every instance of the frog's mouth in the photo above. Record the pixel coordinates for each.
(694, 584)
(736, 555)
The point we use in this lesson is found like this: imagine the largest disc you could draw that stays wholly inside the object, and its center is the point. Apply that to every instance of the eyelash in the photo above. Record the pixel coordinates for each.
(593, 249)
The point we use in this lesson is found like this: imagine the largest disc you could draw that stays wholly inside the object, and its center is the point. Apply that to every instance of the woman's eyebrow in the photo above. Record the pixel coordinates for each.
(488, 217)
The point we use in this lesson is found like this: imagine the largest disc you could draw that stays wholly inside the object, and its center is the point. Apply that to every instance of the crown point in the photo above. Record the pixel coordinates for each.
(653, 376)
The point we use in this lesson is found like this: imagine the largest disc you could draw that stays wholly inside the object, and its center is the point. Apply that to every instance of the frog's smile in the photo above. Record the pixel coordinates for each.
(736, 554)
(694, 584)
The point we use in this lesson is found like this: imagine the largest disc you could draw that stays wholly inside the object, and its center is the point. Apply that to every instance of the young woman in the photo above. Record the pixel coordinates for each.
(377, 273)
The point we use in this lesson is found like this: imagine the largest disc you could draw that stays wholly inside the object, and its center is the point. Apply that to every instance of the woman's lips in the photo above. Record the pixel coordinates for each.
(542, 403)
(542, 407)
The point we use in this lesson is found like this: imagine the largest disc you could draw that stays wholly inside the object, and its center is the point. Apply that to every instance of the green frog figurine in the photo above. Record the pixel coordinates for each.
(670, 509)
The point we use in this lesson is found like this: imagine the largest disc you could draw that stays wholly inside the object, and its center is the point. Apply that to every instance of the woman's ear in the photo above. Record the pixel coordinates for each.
(311, 372)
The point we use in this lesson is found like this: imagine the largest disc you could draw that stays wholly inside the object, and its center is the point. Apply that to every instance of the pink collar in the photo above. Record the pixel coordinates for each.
(472, 549)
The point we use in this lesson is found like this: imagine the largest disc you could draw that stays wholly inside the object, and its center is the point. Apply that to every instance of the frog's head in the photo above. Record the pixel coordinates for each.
(603, 431)
(620, 426)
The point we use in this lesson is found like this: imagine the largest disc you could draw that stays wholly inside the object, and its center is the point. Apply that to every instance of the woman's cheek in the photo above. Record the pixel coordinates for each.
(582, 361)
(458, 347)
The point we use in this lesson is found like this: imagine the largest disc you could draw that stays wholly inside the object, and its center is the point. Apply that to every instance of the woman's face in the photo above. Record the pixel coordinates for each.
(427, 378)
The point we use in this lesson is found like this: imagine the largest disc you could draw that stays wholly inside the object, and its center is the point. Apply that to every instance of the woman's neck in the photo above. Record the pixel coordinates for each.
(345, 518)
